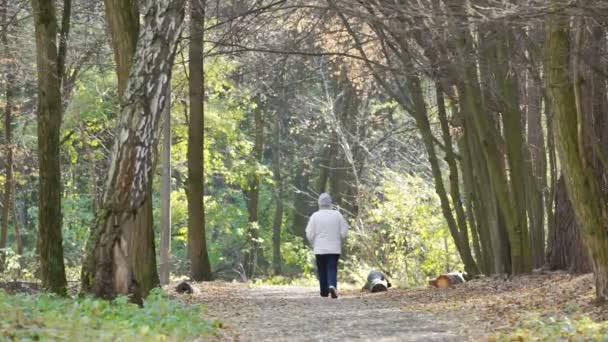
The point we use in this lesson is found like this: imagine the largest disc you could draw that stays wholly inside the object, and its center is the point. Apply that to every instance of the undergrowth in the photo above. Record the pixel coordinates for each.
(48, 317)
(551, 329)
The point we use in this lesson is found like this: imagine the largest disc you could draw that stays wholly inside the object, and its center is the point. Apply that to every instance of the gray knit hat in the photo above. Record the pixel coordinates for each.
(324, 200)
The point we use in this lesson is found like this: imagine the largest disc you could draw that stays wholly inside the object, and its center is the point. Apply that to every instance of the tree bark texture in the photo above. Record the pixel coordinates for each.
(493, 148)
(123, 20)
(9, 75)
(583, 185)
(253, 195)
(124, 259)
(568, 250)
(165, 237)
(538, 158)
(49, 116)
(200, 267)
(278, 195)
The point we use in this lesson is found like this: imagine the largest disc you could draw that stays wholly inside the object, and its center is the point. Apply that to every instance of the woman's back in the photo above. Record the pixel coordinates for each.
(326, 230)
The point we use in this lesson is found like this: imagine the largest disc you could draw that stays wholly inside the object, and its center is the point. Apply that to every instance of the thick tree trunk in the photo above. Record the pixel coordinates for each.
(568, 250)
(200, 267)
(584, 187)
(165, 236)
(123, 20)
(124, 260)
(50, 239)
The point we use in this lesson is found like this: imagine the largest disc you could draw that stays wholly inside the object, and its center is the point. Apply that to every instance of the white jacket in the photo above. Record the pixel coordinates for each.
(326, 231)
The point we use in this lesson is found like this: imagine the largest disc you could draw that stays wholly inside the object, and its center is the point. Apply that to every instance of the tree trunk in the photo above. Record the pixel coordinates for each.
(165, 237)
(459, 234)
(49, 115)
(9, 75)
(278, 179)
(123, 21)
(584, 188)
(520, 170)
(302, 205)
(200, 267)
(253, 196)
(453, 175)
(494, 156)
(16, 223)
(568, 250)
(124, 260)
(538, 181)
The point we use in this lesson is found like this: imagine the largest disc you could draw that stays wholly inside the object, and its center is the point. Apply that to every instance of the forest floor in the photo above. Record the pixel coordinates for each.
(531, 307)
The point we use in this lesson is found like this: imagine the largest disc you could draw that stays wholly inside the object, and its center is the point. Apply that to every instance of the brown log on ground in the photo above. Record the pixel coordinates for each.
(447, 280)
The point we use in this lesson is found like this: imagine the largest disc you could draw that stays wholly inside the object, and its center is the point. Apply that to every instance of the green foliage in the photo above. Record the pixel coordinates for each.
(403, 232)
(46, 317)
(565, 329)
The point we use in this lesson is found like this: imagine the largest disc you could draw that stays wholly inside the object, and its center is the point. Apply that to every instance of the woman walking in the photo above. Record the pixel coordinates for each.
(326, 232)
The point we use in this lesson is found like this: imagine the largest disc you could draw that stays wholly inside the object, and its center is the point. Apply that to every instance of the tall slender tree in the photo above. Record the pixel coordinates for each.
(165, 235)
(200, 267)
(49, 112)
(9, 76)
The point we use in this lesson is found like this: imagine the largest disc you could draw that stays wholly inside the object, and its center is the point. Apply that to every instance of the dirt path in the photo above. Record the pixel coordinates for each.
(286, 313)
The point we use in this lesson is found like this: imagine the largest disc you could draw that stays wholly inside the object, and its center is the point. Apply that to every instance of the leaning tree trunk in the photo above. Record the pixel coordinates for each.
(123, 20)
(118, 266)
(459, 233)
(50, 246)
(584, 187)
(200, 267)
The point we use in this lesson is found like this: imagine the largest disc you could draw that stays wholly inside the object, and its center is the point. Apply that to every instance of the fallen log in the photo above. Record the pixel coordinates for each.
(448, 280)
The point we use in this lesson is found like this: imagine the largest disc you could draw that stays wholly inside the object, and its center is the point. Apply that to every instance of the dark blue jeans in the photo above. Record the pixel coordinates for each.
(327, 267)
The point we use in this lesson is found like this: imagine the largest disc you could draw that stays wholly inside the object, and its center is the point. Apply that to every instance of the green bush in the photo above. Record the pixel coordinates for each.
(47, 317)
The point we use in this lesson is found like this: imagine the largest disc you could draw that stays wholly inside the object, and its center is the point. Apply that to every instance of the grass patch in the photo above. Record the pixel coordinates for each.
(48, 317)
(551, 329)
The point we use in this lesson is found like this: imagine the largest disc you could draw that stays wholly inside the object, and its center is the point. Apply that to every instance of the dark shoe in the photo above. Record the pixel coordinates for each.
(333, 292)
